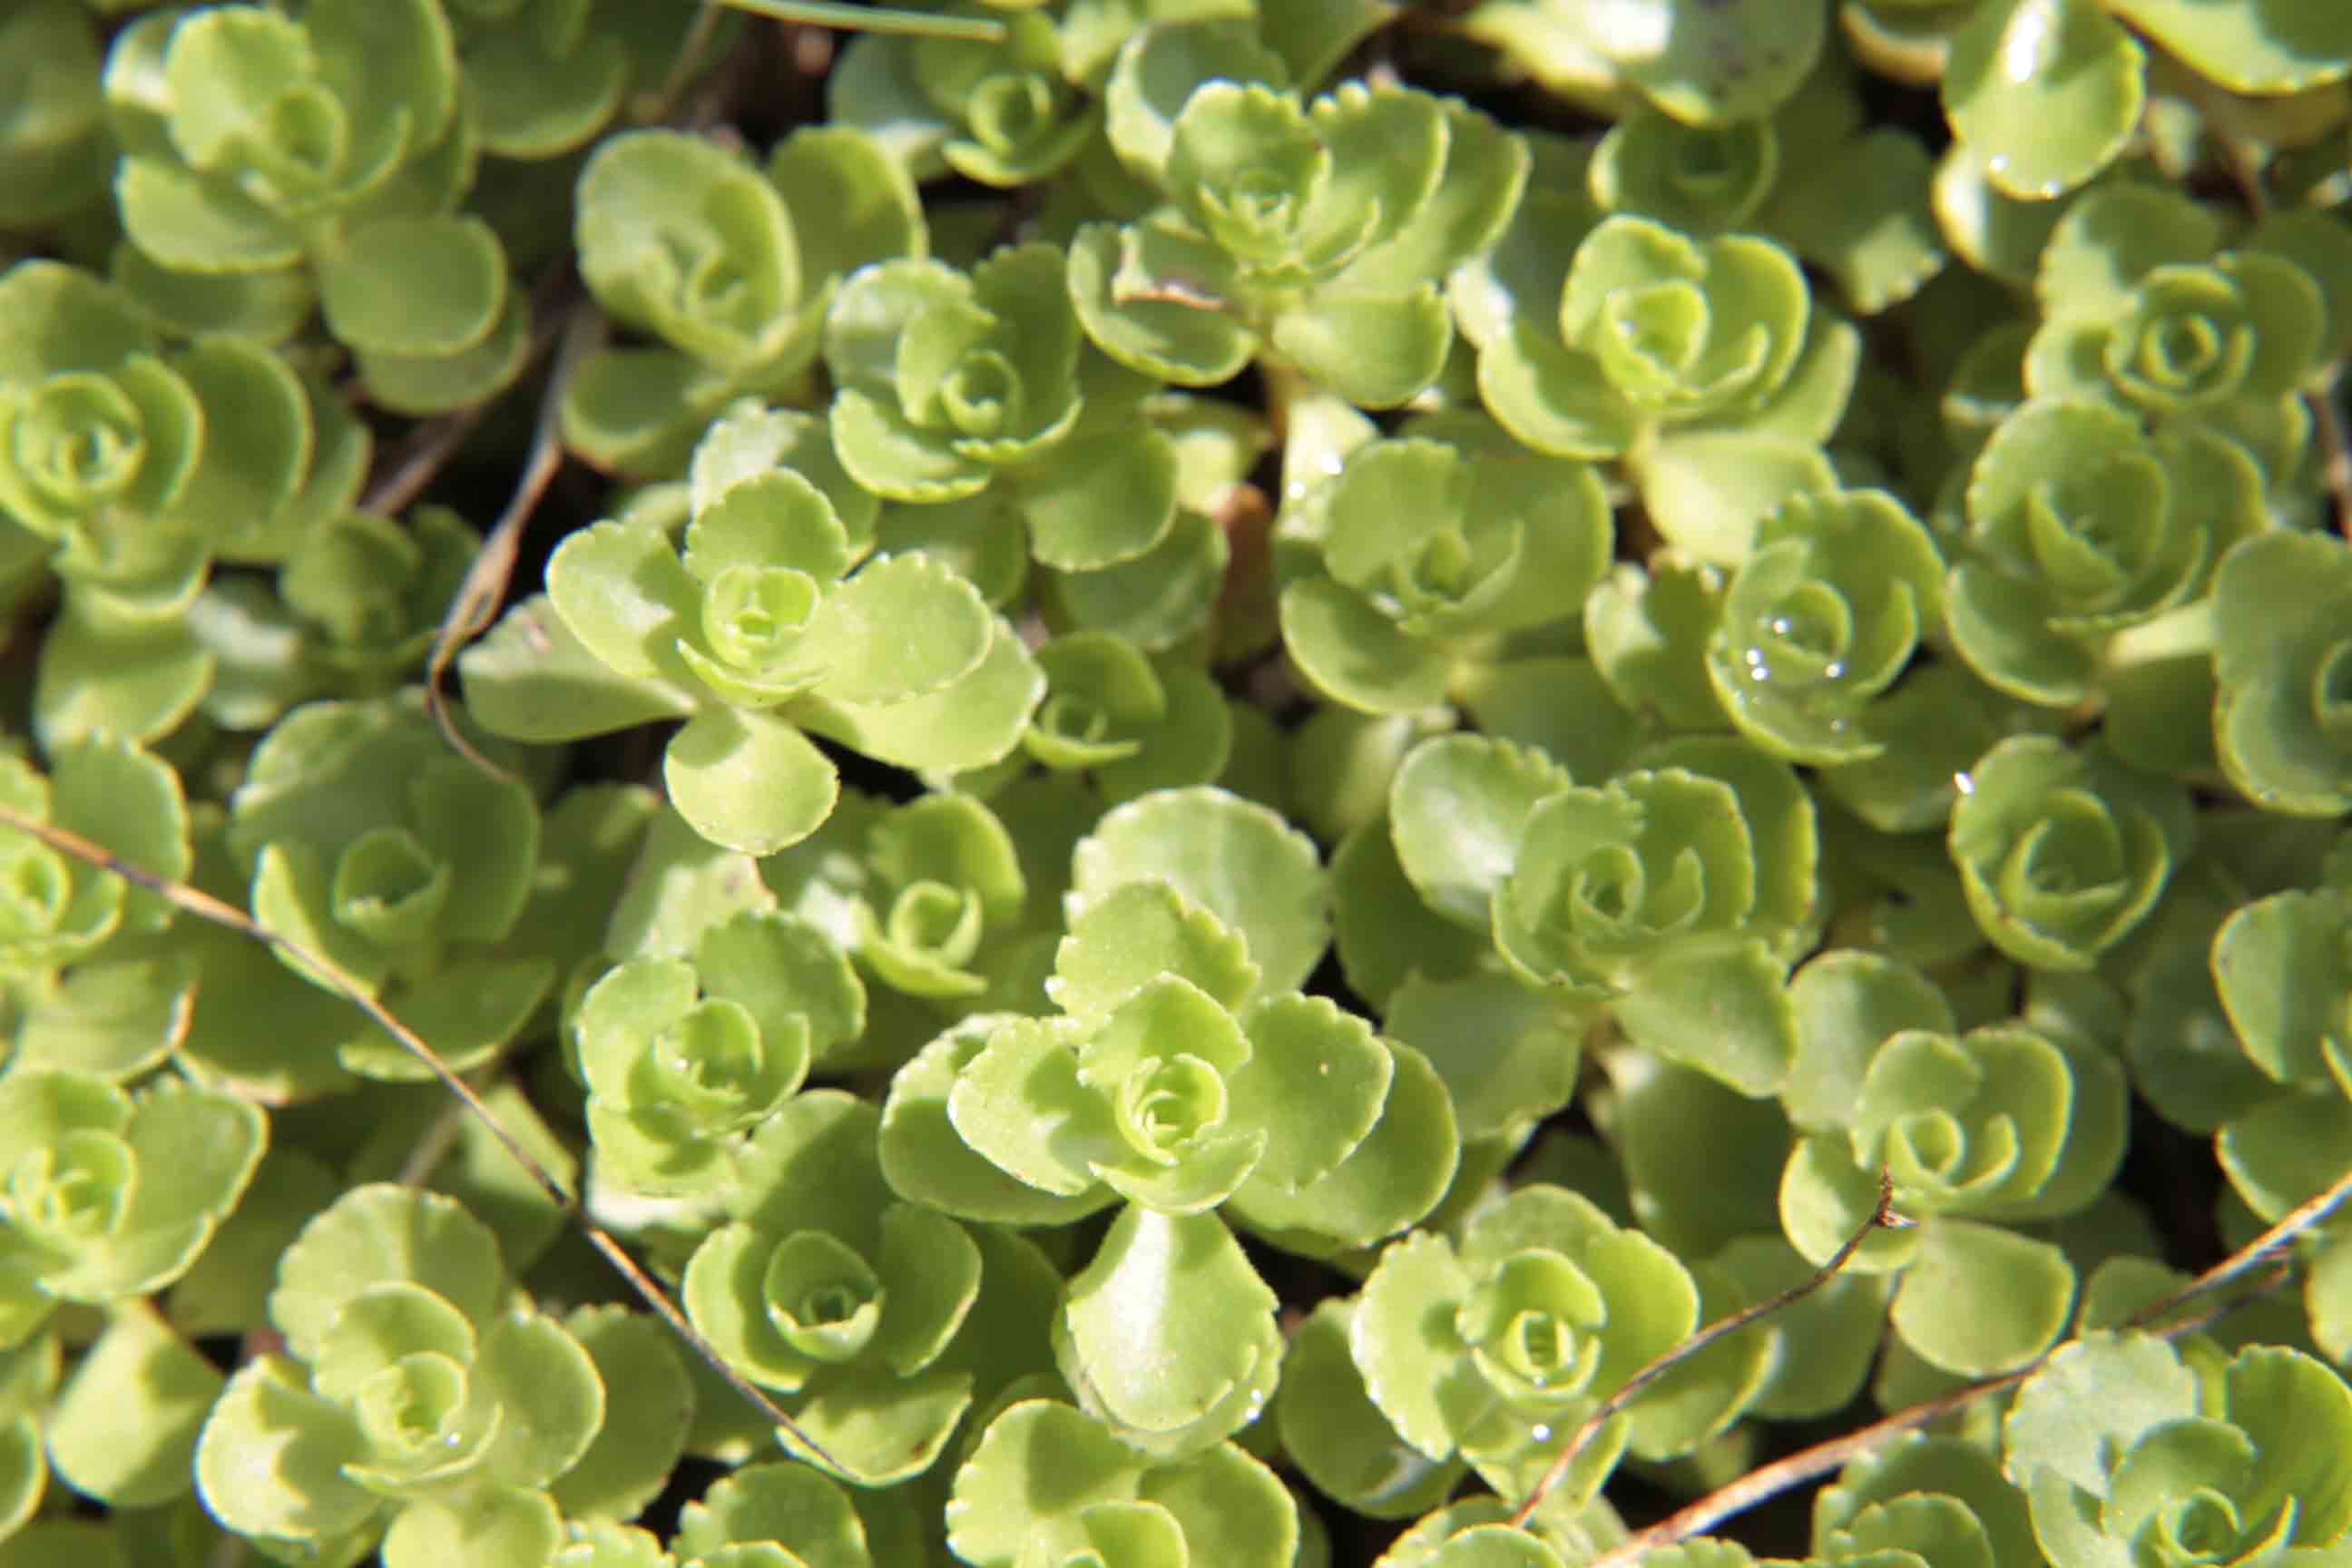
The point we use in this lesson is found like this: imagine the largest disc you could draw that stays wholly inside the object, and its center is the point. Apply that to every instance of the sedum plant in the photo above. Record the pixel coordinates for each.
(322, 154)
(438, 1416)
(1229, 781)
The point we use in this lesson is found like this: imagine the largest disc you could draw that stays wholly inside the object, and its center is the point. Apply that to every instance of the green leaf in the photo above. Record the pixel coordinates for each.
(1978, 1300)
(421, 384)
(685, 241)
(1138, 932)
(2279, 972)
(2062, 67)
(751, 782)
(801, 1511)
(532, 679)
(1846, 1006)
(1410, 1358)
(1391, 1180)
(380, 1234)
(1823, 1343)
(1316, 1080)
(190, 224)
(488, 1529)
(1159, 1324)
(1236, 860)
(1725, 1012)
(639, 1367)
(1374, 350)
(1159, 300)
(1458, 808)
(1030, 1481)
(2253, 46)
(1357, 655)
(1383, 931)
(927, 1160)
(124, 1431)
(1508, 1055)
(1706, 66)
(1337, 1437)
(972, 723)
(1681, 1139)
(414, 286)
(547, 1388)
(1648, 630)
(2062, 852)
(1103, 499)
(302, 1494)
(1159, 598)
(1710, 491)
(903, 627)
(2282, 647)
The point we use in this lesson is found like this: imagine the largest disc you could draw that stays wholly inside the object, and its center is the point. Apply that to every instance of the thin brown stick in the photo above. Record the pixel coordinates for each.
(1881, 1217)
(477, 598)
(1767, 1481)
(203, 906)
(2296, 1220)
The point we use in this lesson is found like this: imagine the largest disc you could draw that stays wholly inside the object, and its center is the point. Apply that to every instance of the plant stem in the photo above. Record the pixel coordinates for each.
(203, 906)
(478, 597)
(1807, 1463)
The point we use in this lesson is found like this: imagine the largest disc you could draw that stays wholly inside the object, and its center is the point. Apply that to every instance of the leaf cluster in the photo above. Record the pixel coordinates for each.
(1208, 757)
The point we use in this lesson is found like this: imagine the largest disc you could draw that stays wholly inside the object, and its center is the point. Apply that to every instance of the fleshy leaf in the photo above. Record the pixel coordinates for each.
(1157, 1321)
(1234, 858)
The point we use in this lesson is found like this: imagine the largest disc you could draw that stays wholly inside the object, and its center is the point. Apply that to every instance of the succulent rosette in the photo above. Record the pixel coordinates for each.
(58, 911)
(109, 1194)
(684, 1057)
(325, 151)
(1673, 353)
(1871, 230)
(407, 865)
(1820, 619)
(2228, 1467)
(949, 384)
(729, 266)
(439, 1417)
(1313, 232)
(2082, 527)
(1133, 725)
(1004, 113)
(2143, 308)
(850, 1305)
(95, 429)
(1689, 875)
(104, 453)
(1978, 1132)
(1431, 544)
(771, 615)
(2063, 851)
(1498, 1346)
(1175, 1089)
(2282, 661)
